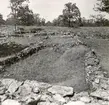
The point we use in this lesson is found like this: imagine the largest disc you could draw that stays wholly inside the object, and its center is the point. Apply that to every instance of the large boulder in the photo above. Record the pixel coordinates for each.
(62, 90)
(10, 102)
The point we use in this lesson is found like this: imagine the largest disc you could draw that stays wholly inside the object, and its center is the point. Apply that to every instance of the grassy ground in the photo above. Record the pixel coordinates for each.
(56, 63)
(51, 63)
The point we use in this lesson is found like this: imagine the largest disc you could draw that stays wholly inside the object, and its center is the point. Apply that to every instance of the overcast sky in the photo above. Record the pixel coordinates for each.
(50, 9)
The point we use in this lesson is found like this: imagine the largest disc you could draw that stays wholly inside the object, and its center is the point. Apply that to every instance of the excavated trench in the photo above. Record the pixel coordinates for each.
(62, 61)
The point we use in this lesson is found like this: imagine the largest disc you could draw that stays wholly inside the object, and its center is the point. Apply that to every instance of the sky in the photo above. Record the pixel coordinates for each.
(50, 9)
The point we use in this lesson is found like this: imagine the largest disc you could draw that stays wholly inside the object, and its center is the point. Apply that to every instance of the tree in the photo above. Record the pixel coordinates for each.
(37, 19)
(99, 19)
(2, 21)
(70, 17)
(71, 14)
(59, 21)
(48, 23)
(14, 5)
(43, 22)
(25, 16)
(102, 5)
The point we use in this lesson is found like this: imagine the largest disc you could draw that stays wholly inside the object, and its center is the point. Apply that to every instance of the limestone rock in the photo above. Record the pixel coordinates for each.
(85, 99)
(35, 84)
(36, 90)
(59, 98)
(2, 90)
(44, 103)
(33, 100)
(1, 68)
(14, 86)
(48, 103)
(76, 103)
(97, 81)
(25, 90)
(46, 98)
(3, 97)
(7, 82)
(10, 102)
(62, 90)
(102, 94)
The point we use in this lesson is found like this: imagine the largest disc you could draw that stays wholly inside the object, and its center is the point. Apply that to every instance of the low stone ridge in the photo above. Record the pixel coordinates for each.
(21, 55)
(13, 92)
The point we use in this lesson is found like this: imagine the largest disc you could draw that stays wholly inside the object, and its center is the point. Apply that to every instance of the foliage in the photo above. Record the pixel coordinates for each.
(2, 21)
(71, 16)
(48, 23)
(71, 13)
(38, 20)
(95, 20)
(15, 5)
(25, 16)
(103, 5)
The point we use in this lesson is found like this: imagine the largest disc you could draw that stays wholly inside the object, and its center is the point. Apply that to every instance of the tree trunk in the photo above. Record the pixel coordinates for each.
(69, 22)
(15, 20)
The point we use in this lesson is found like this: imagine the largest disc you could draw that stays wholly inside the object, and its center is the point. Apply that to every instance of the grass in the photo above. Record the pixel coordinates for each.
(41, 66)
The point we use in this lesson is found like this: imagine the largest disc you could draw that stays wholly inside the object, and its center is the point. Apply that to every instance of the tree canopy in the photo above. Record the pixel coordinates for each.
(103, 5)
(70, 17)
(25, 16)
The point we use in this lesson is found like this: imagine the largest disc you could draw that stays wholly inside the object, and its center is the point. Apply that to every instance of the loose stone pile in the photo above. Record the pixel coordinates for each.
(13, 92)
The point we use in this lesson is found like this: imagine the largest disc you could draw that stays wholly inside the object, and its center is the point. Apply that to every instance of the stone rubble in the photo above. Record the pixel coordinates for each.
(13, 92)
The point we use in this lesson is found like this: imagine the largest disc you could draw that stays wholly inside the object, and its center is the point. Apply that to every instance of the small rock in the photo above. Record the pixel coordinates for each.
(1, 68)
(97, 80)
(45, 103)
(24, 90)
(46, 98)
(62, 90)
(3, 97)
(75, 103)
(33, 100)
(102, 94)
(37, 84)
(85, 99)
(14, 86)
(36, 90)
(7, 82)
(10, 102)
(2, 90)
(59, 98)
